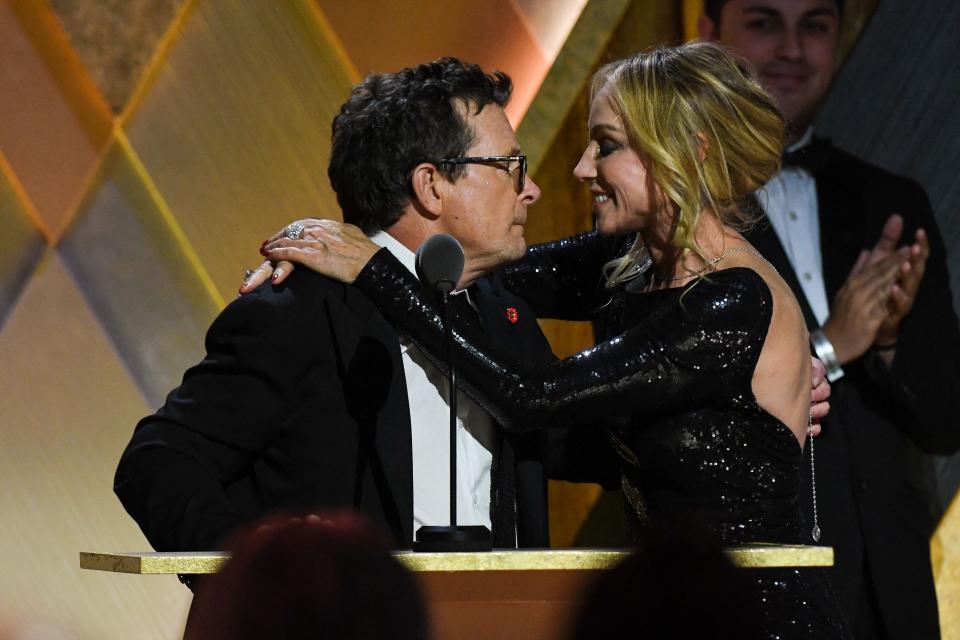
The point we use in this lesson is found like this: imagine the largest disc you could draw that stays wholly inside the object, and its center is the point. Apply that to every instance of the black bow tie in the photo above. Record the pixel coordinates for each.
(811, 157)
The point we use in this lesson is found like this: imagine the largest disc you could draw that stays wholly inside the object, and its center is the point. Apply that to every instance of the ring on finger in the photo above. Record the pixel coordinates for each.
(293, 231)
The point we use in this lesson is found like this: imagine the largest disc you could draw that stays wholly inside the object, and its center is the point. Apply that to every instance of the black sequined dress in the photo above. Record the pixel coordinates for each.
(674, 377)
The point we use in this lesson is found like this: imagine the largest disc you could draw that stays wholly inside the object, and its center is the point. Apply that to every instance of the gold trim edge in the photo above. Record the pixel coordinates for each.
(203, 562)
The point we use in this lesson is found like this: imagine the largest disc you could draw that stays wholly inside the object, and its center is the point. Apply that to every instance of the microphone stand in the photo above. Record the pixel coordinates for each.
(452, 401)
(453, 537)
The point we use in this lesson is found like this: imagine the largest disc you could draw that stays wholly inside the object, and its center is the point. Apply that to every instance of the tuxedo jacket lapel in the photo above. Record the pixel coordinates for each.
(841, 223)
(508, 320)
(517, 477)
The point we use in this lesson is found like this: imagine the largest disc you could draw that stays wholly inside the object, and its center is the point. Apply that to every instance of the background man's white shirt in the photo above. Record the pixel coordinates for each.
(790, 202)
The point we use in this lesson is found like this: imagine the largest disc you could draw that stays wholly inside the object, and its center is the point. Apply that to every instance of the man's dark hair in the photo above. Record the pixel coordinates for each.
(392, 122)
(713, 9)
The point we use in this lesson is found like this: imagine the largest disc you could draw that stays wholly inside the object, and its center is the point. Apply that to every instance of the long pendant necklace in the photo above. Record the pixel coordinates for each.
(815, 532)
(725, 254)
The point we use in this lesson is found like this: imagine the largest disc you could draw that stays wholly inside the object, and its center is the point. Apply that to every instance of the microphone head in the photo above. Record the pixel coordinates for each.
(440, 262)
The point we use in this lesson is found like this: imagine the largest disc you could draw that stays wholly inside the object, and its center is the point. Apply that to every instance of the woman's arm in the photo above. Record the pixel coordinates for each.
(741, 317)
(681, 355)
(564, 278)
(561, 279)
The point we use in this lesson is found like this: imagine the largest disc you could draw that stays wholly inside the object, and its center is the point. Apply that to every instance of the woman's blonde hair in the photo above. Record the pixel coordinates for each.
(681, 104)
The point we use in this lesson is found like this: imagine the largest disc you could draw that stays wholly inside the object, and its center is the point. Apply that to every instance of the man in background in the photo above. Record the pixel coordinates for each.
(892, 347)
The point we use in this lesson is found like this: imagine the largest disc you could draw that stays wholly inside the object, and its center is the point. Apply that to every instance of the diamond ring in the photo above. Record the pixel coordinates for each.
(293, 231)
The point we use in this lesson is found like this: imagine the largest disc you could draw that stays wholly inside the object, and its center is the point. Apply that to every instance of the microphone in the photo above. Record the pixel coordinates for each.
(440, 263)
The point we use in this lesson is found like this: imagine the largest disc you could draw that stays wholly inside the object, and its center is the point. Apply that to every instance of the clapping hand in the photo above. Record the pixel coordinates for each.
(877, 294)
(904, 292)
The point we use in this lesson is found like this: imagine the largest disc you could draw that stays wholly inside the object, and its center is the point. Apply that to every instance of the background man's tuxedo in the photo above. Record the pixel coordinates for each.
(873, 483)
(301, 403)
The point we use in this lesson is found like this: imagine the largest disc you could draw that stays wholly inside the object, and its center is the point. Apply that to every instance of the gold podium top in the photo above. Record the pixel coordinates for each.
(198, 562)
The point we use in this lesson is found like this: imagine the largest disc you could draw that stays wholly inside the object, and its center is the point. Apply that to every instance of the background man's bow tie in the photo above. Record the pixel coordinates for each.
(810, 157)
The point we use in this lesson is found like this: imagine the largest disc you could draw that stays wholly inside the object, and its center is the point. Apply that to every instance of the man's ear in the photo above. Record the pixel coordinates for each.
(429, 188)
(706, 29)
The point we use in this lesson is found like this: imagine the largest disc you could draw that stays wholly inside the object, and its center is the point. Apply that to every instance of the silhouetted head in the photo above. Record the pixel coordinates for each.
(318, 576)
(679, 585)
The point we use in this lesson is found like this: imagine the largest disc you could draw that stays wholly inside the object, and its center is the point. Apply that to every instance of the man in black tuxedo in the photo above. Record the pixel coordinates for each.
(308, 399)
(880, 317)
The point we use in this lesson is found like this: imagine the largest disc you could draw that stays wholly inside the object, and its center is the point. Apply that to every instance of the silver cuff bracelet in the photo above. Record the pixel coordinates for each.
(824, 351)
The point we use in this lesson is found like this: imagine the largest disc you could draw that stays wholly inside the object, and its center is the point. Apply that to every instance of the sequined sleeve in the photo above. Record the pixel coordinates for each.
(691, 353)
(563, 279)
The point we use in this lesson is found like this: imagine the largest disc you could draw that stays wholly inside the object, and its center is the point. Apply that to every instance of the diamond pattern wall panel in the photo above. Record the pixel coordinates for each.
(947, 571)
(139, 276)
(116, 39)
(563, 87)
(53, 121)
(68, 407)
(234, 126)
(492, 33)
(21, 243)
(550, 21)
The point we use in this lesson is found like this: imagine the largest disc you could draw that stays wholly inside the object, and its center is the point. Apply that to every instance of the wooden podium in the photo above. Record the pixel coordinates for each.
(498, 594)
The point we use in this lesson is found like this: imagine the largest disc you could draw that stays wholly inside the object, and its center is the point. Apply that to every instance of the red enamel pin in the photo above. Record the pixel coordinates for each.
(512, 315)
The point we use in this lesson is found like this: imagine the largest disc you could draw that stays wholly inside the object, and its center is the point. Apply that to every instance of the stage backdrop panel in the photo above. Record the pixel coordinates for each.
(146, 148)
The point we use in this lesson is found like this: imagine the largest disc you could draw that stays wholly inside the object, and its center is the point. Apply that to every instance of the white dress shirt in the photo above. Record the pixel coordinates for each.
(430, 428)
(790, 202)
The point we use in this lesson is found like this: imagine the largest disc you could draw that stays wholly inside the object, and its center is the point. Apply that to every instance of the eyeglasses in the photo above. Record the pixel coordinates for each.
(520, 179)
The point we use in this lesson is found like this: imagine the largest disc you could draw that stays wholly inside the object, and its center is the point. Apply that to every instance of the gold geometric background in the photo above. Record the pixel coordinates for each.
(146, 148)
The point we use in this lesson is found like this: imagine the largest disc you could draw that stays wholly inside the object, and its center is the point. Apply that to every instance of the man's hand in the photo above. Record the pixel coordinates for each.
(274, 522)
(861, 304)
(905, 291)
(819, 407)
(889, 237)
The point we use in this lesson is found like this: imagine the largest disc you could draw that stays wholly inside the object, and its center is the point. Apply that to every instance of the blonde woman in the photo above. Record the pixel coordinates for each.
(706, 367)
